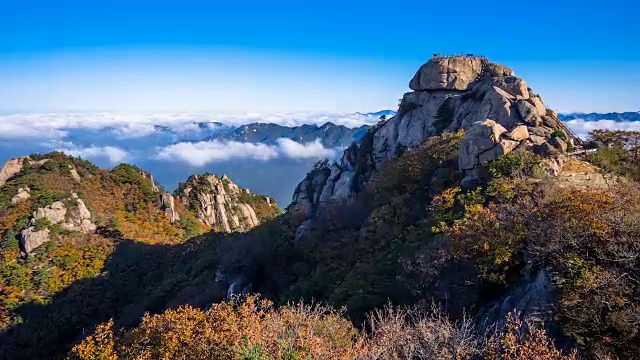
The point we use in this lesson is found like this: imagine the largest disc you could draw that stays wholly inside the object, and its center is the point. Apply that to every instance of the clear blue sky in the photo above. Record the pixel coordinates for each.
(324, 55)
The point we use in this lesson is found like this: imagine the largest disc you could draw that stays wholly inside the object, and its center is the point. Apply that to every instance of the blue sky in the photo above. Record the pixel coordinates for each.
(279, 55)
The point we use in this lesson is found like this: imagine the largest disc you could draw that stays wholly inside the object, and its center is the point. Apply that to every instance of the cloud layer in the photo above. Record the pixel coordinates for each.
(583, 127)
(198, 154)
(112, 154)
(134, 125)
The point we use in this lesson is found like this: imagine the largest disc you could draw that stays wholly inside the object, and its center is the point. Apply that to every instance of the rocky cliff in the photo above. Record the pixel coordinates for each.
(221, 204)
(496, 109)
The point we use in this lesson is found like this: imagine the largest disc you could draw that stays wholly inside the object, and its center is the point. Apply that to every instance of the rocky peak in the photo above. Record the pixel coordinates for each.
(221, 204)
(497, 109)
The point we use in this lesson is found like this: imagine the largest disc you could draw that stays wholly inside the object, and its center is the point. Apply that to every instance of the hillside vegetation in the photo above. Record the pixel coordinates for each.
(126, 210)
(414, 266)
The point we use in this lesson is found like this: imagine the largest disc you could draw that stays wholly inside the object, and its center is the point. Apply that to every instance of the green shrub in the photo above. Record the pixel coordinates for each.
(515, 164)
(10, 241)
(42, 224)
(559, 134)
(444, 116)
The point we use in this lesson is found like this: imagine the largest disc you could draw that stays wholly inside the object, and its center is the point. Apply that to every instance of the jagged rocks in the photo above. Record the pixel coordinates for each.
(497, 70)
(15, 166)
(513, 85)
(219, 203)
(451, 73)
(22, 195)
(55, 212)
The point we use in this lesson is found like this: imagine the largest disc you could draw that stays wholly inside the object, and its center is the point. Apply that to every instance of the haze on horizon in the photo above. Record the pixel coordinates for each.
(290, 56)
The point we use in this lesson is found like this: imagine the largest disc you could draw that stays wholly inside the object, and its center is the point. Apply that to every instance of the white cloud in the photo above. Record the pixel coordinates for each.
(113, 154)
(139, 124)
(199, 154)
(134, 130)
(11, 130)
(312, 150)
(582, 127)
(205, 152)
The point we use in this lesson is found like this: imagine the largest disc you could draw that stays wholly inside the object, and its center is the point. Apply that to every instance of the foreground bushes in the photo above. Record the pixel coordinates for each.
(254, 329)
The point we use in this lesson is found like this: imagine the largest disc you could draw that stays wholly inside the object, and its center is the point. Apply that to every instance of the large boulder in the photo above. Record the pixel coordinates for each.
(30, 238)
(513, 85)
(529, 113)
(559, 144)
(22, 195)
(450, 73)
(482, 140)
(497, 70)
(55, 212)
(539, 105)
(519, 133)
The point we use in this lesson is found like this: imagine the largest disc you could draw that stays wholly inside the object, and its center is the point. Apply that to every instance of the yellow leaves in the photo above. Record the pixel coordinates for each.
(99, 346)
(228, 330)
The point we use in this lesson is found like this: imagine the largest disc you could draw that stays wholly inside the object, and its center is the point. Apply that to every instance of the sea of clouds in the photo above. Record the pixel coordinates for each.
(118, 137)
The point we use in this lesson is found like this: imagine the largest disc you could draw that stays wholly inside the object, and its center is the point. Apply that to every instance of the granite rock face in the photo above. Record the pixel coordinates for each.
(169, 205)
(220, 203)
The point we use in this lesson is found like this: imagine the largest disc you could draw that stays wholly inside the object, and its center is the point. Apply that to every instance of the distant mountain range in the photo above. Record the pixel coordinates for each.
(329, 134)
(618, 117)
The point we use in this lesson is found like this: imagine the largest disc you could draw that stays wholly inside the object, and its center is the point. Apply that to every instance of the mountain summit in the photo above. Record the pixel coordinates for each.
(497, 109)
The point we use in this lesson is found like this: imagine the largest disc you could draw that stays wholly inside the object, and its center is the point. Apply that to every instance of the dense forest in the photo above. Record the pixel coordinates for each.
(527, 265)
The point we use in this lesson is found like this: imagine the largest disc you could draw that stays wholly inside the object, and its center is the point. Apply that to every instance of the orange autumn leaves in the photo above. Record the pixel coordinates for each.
(228, 331)
(256, 330)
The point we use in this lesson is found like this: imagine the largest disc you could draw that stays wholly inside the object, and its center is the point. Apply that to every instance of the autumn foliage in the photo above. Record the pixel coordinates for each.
(254, 329)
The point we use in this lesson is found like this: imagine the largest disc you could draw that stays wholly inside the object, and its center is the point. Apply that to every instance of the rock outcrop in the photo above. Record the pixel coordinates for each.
(22, 195)
(496, 109)
(11, 168)
(169, 205)
(70, 214)
(220, 203)
(15, 166)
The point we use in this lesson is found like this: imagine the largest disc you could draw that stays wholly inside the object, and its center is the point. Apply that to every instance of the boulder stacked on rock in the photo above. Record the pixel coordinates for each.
(496, 109)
